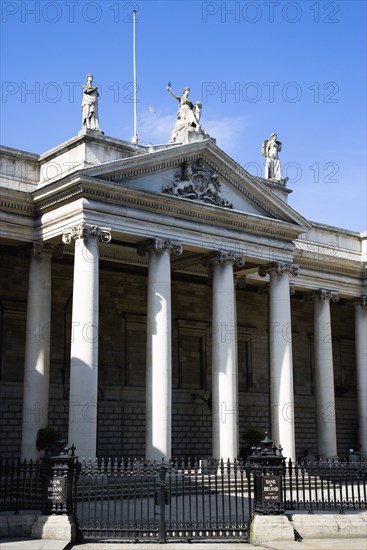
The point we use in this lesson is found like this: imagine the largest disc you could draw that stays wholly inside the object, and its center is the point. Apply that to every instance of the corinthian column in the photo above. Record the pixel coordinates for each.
(361, 365)
(224, 358)
(84, 338)
(159, 356)
(324, 374)
(37, 349)
(281, 360)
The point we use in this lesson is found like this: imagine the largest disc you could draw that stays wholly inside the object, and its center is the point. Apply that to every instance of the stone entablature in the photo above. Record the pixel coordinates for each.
(19, 170)
(328, 242)
(332, 256)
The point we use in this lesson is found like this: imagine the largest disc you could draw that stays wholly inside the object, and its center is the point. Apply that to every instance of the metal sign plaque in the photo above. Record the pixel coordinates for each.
(272, 489)
(56, 490)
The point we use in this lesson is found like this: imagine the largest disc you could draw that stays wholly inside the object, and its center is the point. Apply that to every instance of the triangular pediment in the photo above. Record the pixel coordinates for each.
(199, 173)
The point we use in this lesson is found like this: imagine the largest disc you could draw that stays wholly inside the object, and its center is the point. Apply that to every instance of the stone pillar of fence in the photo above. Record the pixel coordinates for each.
(268, 466)
(59, 471)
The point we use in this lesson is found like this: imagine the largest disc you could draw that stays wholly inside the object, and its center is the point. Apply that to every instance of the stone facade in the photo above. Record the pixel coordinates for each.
(120, 190)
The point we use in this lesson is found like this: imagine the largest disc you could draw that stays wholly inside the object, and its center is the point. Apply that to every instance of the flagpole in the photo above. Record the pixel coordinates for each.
(135, 139)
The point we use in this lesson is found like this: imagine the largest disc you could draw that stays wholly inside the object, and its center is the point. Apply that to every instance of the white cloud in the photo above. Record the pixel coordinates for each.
(227, 131)
(157, 128)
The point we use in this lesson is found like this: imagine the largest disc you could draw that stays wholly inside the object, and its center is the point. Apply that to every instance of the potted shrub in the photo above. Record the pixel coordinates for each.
(251, 437)
(46, 439)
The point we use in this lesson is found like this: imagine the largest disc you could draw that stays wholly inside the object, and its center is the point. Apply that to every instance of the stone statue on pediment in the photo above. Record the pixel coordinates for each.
(90, 105)
(270, 149)
(187, 127)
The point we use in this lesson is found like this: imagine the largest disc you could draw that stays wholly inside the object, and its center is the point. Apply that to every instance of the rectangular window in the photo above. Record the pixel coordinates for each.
(345, 376)
(192, 344)
(244, 360)
(136, 338)
(13, 335)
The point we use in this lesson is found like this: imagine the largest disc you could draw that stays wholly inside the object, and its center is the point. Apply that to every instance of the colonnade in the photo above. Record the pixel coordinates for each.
(84, 352)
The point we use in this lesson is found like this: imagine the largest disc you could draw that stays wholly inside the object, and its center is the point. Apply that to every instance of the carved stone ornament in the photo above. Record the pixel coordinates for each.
(324, 294)
(194, 182)
(85, 231)
(220, 258)
(240, 282)
(279, 268)
(39, 248)
(159, 245)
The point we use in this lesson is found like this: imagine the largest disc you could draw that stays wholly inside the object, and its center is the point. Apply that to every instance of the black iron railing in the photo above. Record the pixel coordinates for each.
(21, 485)
(326, 485)
(47, 484)
(175, 500)
(179, 500)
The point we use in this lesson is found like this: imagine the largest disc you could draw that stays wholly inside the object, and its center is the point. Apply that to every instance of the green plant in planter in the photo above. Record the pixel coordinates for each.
(46, 438)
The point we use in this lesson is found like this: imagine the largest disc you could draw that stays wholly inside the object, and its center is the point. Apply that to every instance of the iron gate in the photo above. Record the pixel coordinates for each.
(143, 501)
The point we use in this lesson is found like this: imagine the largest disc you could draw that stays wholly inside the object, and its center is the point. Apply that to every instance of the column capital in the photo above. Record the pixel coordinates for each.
(352, 303)
(39, 248)
(240, 281)
(279, 268)
(324, 294)
(85, 231)
(220, 258)
(159, 245)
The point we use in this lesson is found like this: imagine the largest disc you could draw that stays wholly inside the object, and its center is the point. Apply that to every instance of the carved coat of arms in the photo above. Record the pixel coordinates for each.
(192, 181)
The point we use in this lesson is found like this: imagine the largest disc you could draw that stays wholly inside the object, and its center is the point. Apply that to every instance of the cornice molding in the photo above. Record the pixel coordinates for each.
(342, 266)
(167, 204)
(16, 201)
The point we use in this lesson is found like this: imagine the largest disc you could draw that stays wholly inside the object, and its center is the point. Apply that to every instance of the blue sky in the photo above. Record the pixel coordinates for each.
(295, 68)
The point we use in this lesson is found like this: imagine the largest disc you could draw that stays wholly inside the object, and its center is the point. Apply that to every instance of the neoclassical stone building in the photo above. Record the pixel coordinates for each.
(159, 301)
